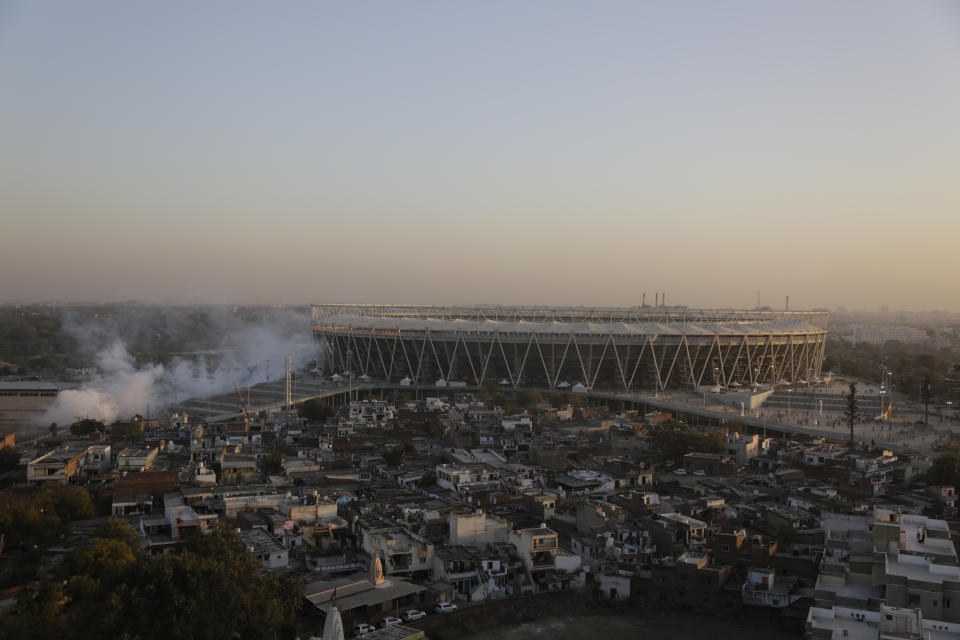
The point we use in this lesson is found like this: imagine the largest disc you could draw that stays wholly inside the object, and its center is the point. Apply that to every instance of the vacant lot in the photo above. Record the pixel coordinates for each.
(640, 626)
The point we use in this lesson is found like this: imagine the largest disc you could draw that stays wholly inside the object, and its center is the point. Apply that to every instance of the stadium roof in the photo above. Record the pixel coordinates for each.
(799, 324)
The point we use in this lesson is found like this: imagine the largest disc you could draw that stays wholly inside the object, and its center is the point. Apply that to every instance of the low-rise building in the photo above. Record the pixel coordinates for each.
(477, 528)
(886, 623)
(136, 460)
(235, 469)
(59, 465)
(98, 460)
(266, 548)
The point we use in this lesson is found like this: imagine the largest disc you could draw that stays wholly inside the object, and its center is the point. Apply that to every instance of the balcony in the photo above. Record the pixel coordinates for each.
(545, 544)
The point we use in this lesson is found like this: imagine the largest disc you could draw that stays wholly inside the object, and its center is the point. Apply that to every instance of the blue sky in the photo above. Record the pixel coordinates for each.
(452, 152)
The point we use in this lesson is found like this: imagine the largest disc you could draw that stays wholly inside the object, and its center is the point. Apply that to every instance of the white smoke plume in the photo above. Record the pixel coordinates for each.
(120, 388)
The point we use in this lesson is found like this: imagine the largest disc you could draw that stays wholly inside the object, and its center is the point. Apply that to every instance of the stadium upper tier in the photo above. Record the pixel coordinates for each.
(557, 347)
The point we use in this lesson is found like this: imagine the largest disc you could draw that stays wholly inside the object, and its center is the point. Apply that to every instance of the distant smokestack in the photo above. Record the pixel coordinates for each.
(788, 303)
(663, 299)
(644, 298)
(656, 299)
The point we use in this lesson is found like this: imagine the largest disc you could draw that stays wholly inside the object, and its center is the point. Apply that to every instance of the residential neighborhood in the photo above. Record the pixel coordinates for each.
(432, 508)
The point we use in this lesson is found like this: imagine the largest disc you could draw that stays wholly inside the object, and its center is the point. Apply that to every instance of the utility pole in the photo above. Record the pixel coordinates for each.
(851, 413)
(926, 392)
(349, 373)
(288, 396)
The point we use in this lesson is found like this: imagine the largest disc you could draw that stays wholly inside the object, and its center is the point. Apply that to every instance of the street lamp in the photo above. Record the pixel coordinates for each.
(789, 395)
(949, 409)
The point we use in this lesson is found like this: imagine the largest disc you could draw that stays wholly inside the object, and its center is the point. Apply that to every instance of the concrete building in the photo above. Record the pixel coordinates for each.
(549, 566)
(98, 460)
(674, 533)
(266, 548)
(23, 402)
(763, 588)
(743, 447)
(235, 469)
(614, 587)
(477, 528)
(59, 465)
(466, 479)
(881, 334)
(887, 623)
(889, 558)
(401, 552)
(136, 460)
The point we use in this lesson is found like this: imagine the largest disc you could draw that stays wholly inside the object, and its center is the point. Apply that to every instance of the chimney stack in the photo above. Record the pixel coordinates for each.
(644, 299)
(656, 299)
(788, 303)
(663, 299)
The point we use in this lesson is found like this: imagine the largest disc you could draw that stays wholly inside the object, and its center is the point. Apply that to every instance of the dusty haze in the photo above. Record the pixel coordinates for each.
(536, 152)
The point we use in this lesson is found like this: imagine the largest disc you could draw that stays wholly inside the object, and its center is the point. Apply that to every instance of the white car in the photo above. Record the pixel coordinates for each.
(445, 607)
(363, 629)
(680, 471)
(700, 472)
(413, 614)
(390, 621)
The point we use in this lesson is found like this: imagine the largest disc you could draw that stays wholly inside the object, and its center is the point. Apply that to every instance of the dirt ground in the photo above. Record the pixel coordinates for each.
(640, 626)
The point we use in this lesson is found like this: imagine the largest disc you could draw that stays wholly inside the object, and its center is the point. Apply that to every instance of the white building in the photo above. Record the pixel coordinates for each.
(465, 479)
(889, 623)
(400, 551)
(266, 548)
(477, 529)
(746, 447)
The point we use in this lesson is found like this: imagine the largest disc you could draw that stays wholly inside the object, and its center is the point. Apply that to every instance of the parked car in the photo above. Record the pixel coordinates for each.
(445, 607)
(363, 628)
(390, 621)
(700, 472)
(680, 471)
(413, 614)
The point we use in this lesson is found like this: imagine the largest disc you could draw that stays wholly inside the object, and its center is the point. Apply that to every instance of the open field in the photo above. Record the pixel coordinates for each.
(640, 626)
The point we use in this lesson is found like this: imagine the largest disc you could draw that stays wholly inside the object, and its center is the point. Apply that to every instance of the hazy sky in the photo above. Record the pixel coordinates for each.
(451, 152)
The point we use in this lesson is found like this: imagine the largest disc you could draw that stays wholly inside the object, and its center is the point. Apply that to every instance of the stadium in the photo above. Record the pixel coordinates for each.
(571, 349)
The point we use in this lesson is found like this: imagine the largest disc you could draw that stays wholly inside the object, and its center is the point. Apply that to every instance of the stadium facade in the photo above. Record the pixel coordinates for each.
(616, 349)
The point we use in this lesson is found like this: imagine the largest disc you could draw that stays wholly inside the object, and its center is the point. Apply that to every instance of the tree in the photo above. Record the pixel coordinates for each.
(528, 398)
(38, 611)
(214, 590)
(926, 393)
(737, 426)
(130, 431)
(851, 414)
(120, 530)
(673, 440)
(86, 426)
(394, 456)
(9, 459)
(68, 503)
(316, 410)
(104, 558)
(38, 517)
(272, 462)
(945, 470)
